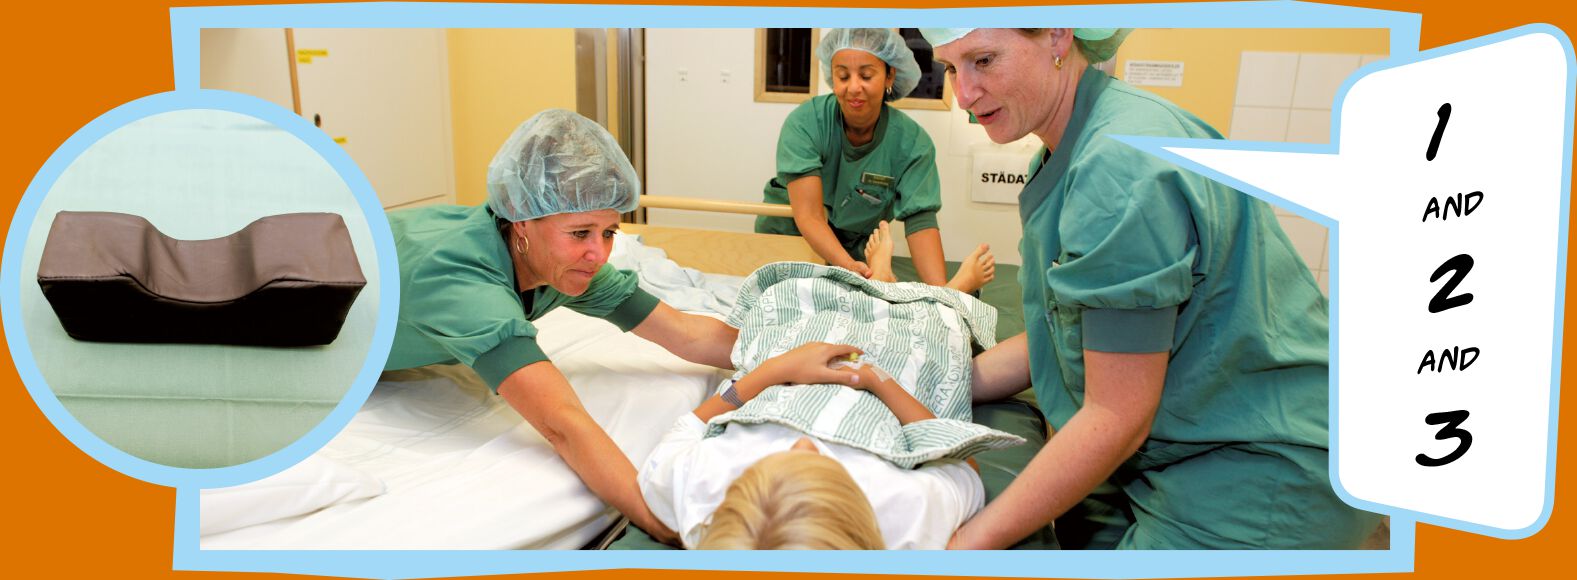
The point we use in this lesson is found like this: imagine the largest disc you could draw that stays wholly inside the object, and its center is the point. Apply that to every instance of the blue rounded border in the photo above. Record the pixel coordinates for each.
(187, 23)
(11, 284)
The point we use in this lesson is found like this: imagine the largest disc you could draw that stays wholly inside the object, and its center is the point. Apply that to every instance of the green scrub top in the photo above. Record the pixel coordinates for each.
(1124, 252)
(459, 301)
(892, 177)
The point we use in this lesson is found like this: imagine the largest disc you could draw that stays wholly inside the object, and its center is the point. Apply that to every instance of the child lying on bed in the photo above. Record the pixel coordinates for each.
(831, 460)
(768, 486)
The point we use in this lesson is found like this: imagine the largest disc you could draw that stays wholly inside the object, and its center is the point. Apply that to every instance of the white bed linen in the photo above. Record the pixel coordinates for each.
(686, 289)
(463, 471)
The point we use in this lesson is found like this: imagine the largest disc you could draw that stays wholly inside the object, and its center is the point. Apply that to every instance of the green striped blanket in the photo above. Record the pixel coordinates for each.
(921, 335)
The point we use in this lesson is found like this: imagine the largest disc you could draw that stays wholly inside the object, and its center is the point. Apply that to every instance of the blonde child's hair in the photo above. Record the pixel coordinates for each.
(793, 501)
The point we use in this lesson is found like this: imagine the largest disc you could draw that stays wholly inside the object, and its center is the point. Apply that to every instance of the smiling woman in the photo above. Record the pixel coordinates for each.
(848, 161)
(472, 280)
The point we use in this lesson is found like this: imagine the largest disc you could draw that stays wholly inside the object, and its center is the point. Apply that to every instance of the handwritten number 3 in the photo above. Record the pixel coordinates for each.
(1443, 300)
(1451, 419)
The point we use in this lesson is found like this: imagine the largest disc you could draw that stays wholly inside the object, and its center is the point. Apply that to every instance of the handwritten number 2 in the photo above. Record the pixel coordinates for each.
(1452, 420)
(1443, 300)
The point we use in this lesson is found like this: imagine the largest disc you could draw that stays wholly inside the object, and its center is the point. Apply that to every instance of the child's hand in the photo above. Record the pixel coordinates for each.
(807, 365)
(868, 378)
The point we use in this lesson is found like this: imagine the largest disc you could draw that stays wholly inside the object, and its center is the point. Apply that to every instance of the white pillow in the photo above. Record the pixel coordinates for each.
(313, 484)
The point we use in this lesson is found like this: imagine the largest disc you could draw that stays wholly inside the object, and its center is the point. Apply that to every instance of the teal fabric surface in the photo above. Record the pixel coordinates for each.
(198, 175)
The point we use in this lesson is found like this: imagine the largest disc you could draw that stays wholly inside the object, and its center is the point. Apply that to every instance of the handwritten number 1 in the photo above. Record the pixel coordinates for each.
(1440, 130)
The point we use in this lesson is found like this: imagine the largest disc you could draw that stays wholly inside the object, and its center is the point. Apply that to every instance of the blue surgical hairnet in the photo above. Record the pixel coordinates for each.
(559, 162)
(1097, 44)
(882, 42)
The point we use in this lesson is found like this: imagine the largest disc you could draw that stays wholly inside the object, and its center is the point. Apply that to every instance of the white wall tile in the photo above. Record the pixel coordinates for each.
(1266, 79)
(1258, 124)
(1319, 76)
(1308, 238)
(1304, 126)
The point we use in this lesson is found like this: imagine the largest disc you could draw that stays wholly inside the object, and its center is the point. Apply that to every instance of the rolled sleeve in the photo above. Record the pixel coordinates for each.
(925, 220)
(1129, 331)
(633, 311)
(509, 356)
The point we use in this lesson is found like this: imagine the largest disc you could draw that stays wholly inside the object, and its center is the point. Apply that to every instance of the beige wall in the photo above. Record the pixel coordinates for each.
(497, 79)
(1211, 58)
(706, 137)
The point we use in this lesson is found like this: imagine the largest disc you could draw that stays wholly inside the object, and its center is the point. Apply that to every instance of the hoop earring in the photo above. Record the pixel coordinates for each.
(520, 250)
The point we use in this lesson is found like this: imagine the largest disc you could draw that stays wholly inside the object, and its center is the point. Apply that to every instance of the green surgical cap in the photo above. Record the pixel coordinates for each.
(881, 42)
(559, 162)
(1097, 44)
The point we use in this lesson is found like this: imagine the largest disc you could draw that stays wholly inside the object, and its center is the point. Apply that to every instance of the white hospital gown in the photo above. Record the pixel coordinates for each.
(686, 476)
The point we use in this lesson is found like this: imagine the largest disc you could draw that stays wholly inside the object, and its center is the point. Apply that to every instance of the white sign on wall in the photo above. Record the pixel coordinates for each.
(1153, 73)
(999, 174)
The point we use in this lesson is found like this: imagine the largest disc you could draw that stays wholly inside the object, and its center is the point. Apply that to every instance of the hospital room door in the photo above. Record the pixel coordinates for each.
(382, 94)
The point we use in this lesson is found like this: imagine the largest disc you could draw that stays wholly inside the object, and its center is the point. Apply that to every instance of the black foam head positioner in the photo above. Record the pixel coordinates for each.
(283, 280)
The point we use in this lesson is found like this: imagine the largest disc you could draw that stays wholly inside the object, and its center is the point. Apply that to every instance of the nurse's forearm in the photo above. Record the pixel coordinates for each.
(692, 337)
(1002, 371)
(810, 216)
(1082, 454)
(541, 394)
(1122, 393)
(925, 248)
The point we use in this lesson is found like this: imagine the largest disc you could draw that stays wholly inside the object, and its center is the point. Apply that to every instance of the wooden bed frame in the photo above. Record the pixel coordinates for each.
(732, 253)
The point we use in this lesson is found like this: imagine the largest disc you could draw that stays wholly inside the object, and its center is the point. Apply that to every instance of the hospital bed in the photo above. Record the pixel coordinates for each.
(742, 253)
(433, 460)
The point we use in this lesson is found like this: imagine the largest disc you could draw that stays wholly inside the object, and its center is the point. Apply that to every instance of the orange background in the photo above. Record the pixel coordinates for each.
(66, 63)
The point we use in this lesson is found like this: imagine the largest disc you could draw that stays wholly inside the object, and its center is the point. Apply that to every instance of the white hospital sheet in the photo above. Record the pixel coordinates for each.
(462, 470)
(686, 289)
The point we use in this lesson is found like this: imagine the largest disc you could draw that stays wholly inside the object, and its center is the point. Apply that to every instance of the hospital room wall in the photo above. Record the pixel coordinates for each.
(1264, 85)
(498, 78)
(708, 138)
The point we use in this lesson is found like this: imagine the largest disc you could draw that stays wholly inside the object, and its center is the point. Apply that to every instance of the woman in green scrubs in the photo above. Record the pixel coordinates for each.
(848, 162)
(1175, 340)
(473, 278)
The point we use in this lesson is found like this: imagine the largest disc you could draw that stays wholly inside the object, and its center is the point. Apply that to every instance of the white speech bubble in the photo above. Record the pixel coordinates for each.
(1507, 136)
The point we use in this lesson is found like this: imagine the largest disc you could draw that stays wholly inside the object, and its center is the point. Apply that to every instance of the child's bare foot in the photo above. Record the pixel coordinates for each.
(879, 253)
(975, 271)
